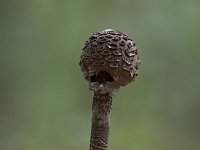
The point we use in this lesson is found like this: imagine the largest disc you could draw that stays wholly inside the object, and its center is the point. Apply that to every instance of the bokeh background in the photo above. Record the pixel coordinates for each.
(45, 103)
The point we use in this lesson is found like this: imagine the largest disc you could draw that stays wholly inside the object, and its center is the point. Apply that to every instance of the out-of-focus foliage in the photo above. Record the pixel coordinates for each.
(45, 103)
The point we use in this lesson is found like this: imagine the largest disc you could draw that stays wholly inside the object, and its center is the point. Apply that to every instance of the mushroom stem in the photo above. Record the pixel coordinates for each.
(101, 111)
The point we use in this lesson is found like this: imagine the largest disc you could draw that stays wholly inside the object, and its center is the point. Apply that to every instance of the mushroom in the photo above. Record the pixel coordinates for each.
(109, 60)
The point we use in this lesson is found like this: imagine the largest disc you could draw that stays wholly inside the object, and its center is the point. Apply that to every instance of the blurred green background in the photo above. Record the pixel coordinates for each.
(45, 103)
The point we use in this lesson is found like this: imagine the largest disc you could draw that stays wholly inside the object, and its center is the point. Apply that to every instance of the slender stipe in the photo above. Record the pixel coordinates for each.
(101, 111)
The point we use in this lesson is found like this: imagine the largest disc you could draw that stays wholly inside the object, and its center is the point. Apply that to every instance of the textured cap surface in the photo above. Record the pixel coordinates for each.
(109, 56)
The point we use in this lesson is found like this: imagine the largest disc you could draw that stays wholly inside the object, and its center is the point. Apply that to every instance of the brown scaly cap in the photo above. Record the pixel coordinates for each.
(109, 60)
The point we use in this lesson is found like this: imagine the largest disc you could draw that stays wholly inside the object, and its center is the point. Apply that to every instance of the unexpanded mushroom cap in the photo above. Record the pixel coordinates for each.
(110, 56)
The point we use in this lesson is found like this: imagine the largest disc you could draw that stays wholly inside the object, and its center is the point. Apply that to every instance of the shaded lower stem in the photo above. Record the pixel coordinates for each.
(101, 111)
